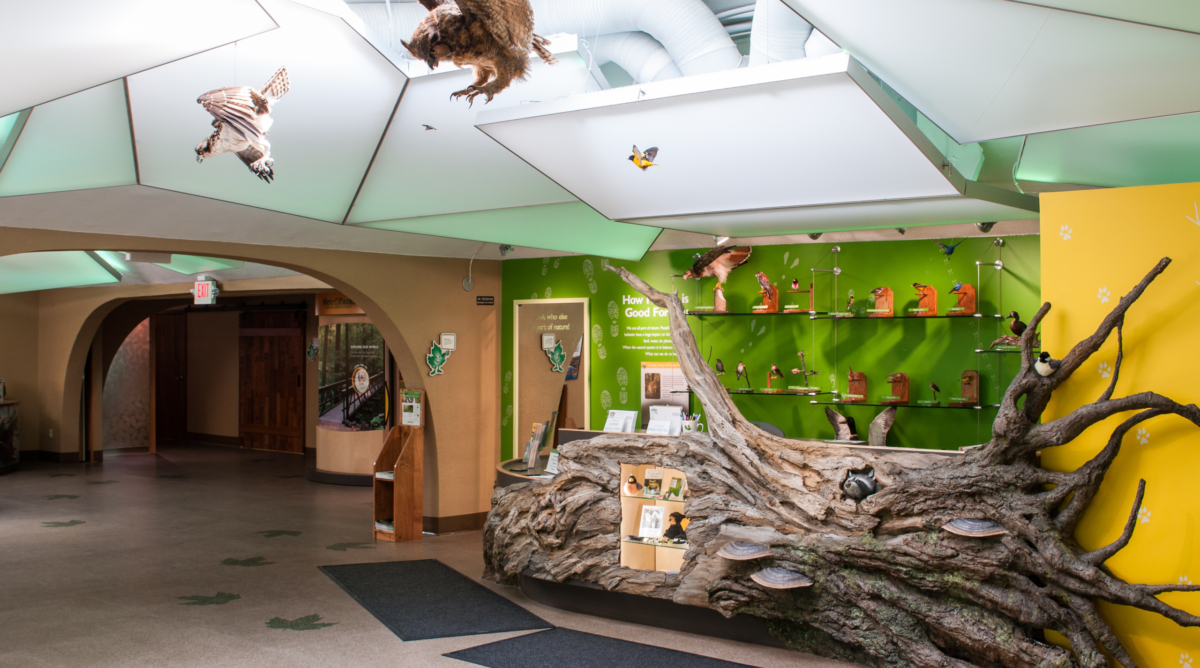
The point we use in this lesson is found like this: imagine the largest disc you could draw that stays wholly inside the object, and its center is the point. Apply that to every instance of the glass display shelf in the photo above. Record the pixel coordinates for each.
(651, 498)
(826, 316)
(705, 314)
(733, 392)
(1002, 350)
(856, 403)
(650, 542)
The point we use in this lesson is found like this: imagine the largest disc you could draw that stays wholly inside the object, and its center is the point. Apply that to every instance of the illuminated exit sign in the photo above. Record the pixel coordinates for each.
(205, 291)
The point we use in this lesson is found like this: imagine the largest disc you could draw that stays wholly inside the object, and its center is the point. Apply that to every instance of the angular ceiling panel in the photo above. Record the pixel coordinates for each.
(986, 69)
(76, 142)
(326, 128)
(53, 49)
(793, 134)
(456, 168)
(26, 272)
(572, 227)
(1175, 14)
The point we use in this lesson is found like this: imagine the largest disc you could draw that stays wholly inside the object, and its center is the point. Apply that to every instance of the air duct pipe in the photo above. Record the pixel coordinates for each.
(400, 26)
(778, 33)
(637, 53)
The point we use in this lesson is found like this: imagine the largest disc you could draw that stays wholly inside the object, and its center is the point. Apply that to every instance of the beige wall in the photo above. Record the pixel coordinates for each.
(411, 300)
(126, 403)
(212, 373)
(19, 360)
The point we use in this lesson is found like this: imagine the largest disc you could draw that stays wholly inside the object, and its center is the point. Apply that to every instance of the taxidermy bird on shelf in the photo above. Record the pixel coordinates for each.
(843, 426)
(719, 262)
(720, 367)
(1046, 366)
(936, 389)
(242, 117)
(795, 284)
(763, 281)
(947, 250)
(645, 160)
(741, 371)
(1016, 326)
(957, 286)
(492, 36)
(919, 287)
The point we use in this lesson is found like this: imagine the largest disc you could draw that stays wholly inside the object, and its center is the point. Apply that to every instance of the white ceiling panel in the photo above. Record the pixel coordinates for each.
(75, 142)
(791, 134)
(325, 129)
(986, 69)
(52, 49)
(1175, 14)
(456, 168)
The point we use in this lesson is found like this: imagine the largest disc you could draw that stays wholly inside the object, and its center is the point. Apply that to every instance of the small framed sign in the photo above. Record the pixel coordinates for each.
(548, 341)
(448, 341)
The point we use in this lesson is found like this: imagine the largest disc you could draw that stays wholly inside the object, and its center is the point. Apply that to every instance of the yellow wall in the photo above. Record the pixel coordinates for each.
(1097, 245)
(19, 360)
(212, 373)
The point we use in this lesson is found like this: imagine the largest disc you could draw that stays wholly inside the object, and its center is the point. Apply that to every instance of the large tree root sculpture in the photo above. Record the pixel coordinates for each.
(891, 587)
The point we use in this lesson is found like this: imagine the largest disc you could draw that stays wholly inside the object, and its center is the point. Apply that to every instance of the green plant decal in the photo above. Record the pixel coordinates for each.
(252, 561)
(342, 547)
(436, 359)
(62, 496)
(307, 623)
(275, 533)
(55, 525)
(557, 357)
(220, 599)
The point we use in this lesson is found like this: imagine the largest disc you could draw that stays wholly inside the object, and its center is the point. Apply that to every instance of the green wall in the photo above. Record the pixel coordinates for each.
(935, 349)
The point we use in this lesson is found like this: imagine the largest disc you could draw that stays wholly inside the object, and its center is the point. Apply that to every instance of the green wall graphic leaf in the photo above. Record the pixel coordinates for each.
(220, 599)
(306, 623)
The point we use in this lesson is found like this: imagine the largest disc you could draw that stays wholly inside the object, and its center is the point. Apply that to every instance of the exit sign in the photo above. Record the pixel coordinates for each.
(205, 292)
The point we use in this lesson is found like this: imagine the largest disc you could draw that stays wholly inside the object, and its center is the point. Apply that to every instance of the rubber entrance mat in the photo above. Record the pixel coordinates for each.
(420, 600)
(563, 648)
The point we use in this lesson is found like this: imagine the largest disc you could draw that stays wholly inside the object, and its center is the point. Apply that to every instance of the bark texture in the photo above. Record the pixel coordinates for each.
(891, 587)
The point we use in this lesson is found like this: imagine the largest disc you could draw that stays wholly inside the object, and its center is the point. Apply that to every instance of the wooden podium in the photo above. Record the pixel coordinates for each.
(400, 498)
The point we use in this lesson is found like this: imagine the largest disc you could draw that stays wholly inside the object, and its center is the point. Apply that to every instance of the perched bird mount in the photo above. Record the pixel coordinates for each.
(770, 294)
(241, 119)
(494, 37)
(719, 262)
(926, 301)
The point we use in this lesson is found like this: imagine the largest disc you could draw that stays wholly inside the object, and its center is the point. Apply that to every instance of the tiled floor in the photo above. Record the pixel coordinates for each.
(105, 592)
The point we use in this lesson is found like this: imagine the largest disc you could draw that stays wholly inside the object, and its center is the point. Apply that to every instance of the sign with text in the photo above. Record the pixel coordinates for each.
(336, 303)
(205, 292)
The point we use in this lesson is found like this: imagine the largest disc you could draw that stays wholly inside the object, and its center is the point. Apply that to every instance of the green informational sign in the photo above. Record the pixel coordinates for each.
(628, 333)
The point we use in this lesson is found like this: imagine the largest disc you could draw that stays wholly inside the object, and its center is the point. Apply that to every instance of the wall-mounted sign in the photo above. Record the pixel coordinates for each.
(548, 341)
(361, 379)
(205, 291)
(310, 353)
(410, 408)
(449, 342)
(436, 359)
(336, 303)
(485, 301)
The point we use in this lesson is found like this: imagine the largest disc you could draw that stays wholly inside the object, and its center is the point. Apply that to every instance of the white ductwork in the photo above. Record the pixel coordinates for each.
(400, 26)
(637, 53)
(778, 33)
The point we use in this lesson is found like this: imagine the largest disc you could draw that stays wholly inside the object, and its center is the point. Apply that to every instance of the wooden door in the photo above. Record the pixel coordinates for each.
(271, 380)
(169, 334)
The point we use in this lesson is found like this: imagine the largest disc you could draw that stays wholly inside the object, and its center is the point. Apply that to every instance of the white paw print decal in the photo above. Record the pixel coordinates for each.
(1105, 370)
(1185, 660)
(1103, 294)
(1143, 436)
(1065, 232)
(1185, 580)
(1143, 514)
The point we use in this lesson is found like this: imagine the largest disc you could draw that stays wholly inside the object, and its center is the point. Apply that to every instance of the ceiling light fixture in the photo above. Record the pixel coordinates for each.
(506, 249)
(720, 240)
(815, 235)
(150, 258)
(901, 230)
(985, 227)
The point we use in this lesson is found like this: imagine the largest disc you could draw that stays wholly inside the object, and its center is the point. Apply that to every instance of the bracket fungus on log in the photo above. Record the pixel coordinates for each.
(890, 586)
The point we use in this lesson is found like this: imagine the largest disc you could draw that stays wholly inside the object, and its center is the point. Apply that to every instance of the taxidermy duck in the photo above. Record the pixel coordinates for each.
(1046, 366)
(1016, 326)
(843, 426)
(632, 488)
(880, 426)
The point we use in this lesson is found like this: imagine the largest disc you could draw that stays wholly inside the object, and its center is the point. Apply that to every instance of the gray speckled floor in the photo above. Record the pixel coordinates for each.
(105, 592)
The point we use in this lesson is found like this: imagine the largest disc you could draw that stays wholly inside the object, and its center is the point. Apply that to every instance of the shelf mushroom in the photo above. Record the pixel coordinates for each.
(742, 551)
(974, 528)
(780, 578)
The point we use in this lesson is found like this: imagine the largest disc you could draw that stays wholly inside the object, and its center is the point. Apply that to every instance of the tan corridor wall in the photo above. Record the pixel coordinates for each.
(212, 378)
(19, 360)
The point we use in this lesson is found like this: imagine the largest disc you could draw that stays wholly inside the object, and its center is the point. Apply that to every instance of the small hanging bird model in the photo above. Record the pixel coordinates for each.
(241, 119)
(936, 389)
(719, 262)
(850, 302)
(645, 160)
(720, 367)
(428, 127)
(947, 250)
(843, 426)
(1016, 326)
(1046, 366)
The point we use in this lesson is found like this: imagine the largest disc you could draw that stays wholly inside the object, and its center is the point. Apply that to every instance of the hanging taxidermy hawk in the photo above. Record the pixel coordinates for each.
(241, 118)
(719, 262)
(492, 36)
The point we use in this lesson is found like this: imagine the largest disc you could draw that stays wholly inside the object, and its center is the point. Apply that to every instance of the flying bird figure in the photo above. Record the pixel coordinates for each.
(494, 37)
(947, 250)
(1046, 366)
(645, 160)
(880, 426)
(428, 127)
(843, 426)
(719, 262)
(1016, 326)
(241, 119)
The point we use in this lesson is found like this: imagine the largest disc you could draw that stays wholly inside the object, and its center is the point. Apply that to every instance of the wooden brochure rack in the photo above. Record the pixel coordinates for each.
(399, 497)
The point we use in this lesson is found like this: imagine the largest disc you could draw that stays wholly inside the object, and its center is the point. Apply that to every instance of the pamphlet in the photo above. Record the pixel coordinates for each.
(652, 522)
(552, 462)
(621, 421)
(653, 484)
(659, 427)
(410, 408)
(675, 491)
(671, 414)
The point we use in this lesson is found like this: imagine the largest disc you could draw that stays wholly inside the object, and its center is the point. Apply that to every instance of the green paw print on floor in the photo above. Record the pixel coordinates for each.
(307, 623)
(252, 561)
(62, 475)
(101, 482)
(342, 547)
(55, 525)
(220, 599)
(54, 497)
(275, 533)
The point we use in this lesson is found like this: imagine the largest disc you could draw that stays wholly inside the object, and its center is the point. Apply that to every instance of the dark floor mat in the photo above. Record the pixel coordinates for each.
(424, 599)
(564, 648)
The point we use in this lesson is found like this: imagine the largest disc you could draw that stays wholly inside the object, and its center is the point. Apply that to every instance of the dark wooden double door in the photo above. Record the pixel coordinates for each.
(271, 380)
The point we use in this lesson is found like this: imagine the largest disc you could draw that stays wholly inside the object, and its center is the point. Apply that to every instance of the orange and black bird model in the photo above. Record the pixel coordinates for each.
(494, 37)
(645, 160)
(719, 262)
(919, 287)
(1016, 326)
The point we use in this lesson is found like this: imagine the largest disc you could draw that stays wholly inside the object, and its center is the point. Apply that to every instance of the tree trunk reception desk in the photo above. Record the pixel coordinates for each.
(879, 556)
(10, 445)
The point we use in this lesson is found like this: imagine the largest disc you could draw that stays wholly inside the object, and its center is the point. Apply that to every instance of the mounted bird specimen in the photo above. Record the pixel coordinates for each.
(494, 37)
(645, 160)
(720, 367)
(242, 117)
(1046, 366)
(719, 262)
(843, 426)
(1016, 326)
(880, 426)
(763, 282)
(742, 372)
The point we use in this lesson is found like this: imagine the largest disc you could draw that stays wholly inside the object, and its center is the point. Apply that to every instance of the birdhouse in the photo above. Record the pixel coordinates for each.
(899, 382)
